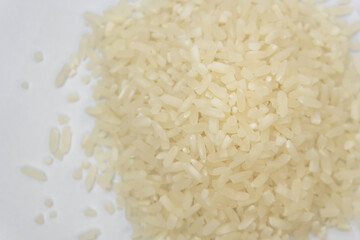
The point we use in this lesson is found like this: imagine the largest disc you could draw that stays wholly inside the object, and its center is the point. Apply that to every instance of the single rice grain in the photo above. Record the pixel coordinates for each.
(90, 178)
(62, 76)
(65, 141)
(54, 140)
(40, 219)
(63, 119)
(77, 173)
(48, 203)
(38, 56)
(109, 207)
(90, 234)
(90, 212)
(25, 85)
(73, 97)
(48, 160)
(33, 173)
(53, 214)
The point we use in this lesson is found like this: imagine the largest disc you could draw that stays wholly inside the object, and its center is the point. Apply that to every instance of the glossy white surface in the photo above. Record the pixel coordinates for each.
(26, 116)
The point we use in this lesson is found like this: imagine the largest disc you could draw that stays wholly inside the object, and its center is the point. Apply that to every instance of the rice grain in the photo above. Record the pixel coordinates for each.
(90, 234)
(33, 173)
(38, 56)
(62, 76)
(54, 140)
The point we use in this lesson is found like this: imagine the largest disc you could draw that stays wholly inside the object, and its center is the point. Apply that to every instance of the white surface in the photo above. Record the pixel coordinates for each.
(26, 117)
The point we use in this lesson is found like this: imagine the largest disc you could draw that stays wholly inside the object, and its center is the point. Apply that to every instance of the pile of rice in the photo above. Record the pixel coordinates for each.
(224, 119)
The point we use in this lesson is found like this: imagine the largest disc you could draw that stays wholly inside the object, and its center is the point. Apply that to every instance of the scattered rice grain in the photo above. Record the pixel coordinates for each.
(109, 207)
(53, 214)
(48, 203)
(48, 161)
(73, 97)
(38, 56)
(33, 173)
(90, 234)
(40, 219)
(63, 119)
(90, 212)
(25, 85)
(62, 76)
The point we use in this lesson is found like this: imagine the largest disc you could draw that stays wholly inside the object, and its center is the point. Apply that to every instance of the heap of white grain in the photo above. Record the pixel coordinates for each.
(226, 119)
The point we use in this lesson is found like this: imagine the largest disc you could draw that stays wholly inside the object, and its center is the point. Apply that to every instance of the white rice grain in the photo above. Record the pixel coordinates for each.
(38, 56)
(292, 151)
(63, 119)
(48, 161)
(260, 180)
(73, 97)
(210, 227)
(40, 219)
(65, 141)
(54, 140)
(90, 234)
(341, 10)
(53, 214)
(33, 173)
(62, 76)
(282, 104)
(90, 178)
(90, 212)
(25, 85)
(48, 203)
(109, 207)
(218, 67)
(77, 174)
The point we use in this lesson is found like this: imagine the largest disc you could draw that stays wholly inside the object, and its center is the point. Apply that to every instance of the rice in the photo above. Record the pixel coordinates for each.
(73, 97)
(341, 2)
(105, 180)
(90, 178)
(218, 67)
(109, 207)
(54, 140)
(77, 174)
(53, 214)
(25, 85)
(282, 103)
(341, 10)
(85, 165)
(171, 100)
(356, 60)
(63, 119)
(279, 223)
(90, 212)
(292, 151)
(210, 227)
(260, 180)
(65, 141)
(86, 79)
(90, 234)
(40, 219)
(48, 160)
(38, 56)
(33, 173)
(62, 76)
(223, 119)
(48, 203)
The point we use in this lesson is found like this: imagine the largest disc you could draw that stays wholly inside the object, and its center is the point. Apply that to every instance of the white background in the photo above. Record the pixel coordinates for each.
(26, 116)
